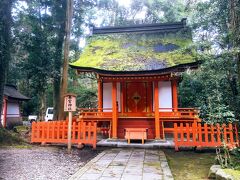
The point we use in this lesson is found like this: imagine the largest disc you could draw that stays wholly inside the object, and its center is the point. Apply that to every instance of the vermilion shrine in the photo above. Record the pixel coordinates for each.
(138, 69)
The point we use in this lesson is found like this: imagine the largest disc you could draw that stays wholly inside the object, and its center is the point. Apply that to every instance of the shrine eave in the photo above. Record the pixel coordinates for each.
(173, 69)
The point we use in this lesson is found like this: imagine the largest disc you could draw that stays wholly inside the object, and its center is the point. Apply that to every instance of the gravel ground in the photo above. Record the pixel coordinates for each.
(42, 162)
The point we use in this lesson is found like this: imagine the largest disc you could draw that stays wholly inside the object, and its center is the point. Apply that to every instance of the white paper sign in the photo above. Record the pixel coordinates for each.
(70, 103)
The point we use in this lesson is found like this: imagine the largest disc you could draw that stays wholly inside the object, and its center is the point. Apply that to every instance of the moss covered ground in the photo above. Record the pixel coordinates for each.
(234, 173)
(190, 165)
(11, 138)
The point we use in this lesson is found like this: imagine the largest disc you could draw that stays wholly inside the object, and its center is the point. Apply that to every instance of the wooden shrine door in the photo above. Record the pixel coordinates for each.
(136, 97)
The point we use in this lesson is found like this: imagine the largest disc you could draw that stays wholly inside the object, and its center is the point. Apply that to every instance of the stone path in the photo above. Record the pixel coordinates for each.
(136, 164)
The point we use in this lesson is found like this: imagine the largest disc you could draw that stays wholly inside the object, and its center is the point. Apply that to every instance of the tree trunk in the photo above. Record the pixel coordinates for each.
(5, 31)
(57, 68)
(64, 81)
(42, 105)
(60, 13)
(234, 21)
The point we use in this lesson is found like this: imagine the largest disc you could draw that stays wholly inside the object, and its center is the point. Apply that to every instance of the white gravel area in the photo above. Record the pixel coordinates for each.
(42, 162)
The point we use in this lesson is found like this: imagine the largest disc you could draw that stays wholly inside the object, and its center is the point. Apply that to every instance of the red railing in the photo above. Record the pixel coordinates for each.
(164, 113)
(198, 135)
(95, 113)
(56, 132)
(178, 112)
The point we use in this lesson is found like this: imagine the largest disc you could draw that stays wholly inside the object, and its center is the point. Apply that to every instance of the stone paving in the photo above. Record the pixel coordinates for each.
(126, 164)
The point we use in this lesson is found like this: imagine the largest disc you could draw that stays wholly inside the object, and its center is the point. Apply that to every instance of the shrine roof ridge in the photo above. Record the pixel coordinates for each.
(157, 27)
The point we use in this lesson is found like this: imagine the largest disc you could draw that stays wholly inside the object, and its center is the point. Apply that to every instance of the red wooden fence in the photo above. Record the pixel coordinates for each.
(198, 135)
(56, 132)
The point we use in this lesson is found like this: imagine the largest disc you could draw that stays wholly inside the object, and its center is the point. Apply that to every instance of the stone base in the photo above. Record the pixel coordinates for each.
(148, 143)
(216, 172)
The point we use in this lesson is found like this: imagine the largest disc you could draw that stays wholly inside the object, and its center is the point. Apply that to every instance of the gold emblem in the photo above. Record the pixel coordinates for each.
(136, 97)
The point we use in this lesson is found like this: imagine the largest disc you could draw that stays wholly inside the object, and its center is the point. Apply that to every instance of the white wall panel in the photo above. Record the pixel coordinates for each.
(2, 115)
(165, 95)
(119, 96)
(107, 95)
(13, 110)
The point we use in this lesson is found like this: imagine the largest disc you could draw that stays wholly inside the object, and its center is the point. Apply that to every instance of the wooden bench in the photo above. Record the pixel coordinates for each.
(136, 133)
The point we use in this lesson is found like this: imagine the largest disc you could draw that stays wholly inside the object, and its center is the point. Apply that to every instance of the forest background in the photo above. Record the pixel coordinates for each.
(32, 36)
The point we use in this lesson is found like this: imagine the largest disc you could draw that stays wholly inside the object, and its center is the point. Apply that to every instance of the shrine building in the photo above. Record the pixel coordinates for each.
(138, 69)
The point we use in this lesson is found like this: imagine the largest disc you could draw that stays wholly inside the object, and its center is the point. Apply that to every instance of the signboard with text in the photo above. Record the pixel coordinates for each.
(70, 102)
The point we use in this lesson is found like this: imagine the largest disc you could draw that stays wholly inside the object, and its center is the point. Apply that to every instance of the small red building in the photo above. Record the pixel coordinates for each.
(138, 69)
(11, 106)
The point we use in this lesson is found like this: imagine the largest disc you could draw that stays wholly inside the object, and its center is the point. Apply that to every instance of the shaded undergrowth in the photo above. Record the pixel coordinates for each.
(11, 138)
(190, 165)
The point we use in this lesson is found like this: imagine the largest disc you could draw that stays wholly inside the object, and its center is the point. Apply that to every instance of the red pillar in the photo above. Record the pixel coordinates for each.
(156, 108)
(123, 96)
(114, 110)
(100, 94)
(4, 112)
(150, 96)
(174, 94)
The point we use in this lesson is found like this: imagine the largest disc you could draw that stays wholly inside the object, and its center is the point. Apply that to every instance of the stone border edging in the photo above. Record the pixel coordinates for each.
(167, 173)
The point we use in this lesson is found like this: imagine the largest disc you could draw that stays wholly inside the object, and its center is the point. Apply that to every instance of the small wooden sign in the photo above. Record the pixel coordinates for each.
(70, 102)
(70, 106)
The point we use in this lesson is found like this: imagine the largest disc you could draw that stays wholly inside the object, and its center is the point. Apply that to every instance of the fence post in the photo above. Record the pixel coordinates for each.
(194, 128)
(176, 136)
(231, 133)
(84, 131)
(94, 135)
(218, 135)
(79, 131)
(58, 130)
(74, 132)
(48, 131)
(181, 133)
(38, 130)
(33, 135)
(187, 132)
(212, 134)
(69, 131)
(206, 133)
(225, 133)
(236, 134)
(200, 133)
(44, 135)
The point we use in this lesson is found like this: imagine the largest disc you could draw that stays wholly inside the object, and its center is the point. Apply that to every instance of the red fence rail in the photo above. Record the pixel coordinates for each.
(56, 132)
(198, 135)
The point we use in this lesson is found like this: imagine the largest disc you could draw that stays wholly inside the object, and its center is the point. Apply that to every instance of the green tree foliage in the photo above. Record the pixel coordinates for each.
(87, 97)
(164, 11)
(35, 37)
(39, 28)
(5, 43)
(38, 38)
(212, 88)
(140, 11)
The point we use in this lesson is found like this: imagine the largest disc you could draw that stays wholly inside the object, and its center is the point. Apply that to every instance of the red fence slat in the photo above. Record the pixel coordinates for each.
(204, 136)
(56, 132)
